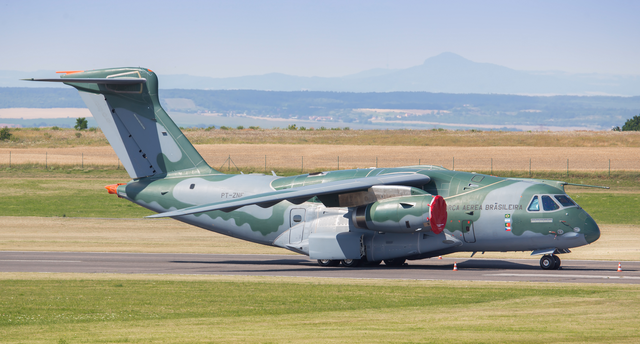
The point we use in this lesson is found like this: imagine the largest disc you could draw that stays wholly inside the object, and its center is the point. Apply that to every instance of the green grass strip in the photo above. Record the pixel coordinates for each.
(64, 198)
(69, 311)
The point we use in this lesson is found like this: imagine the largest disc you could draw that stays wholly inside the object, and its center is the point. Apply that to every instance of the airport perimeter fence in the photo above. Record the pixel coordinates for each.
(267, 163)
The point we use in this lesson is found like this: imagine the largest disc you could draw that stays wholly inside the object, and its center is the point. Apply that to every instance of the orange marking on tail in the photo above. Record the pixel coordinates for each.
(70, 71)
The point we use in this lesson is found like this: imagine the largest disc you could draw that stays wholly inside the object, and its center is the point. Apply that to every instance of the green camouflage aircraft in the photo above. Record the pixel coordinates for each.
(348, 217)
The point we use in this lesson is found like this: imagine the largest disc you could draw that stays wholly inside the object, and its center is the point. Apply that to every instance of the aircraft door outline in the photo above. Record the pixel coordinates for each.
(297, 224)
(468, 231)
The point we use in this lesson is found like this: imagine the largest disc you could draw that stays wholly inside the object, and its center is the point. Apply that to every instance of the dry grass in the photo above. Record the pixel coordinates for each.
(316, 157)
(118, 235)
(45, 138)
(420, 138)
(49, 138)
(618, 242)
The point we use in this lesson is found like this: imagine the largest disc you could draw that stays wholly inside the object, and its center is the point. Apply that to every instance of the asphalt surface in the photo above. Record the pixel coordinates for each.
(476, 269)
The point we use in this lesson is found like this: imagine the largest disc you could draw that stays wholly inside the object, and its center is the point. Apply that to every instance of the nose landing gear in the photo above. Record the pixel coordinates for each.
(550, 262)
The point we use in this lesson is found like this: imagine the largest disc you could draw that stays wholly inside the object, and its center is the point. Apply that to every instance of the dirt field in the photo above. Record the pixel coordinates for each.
(26, 113)
(618, 242)
(313, 157)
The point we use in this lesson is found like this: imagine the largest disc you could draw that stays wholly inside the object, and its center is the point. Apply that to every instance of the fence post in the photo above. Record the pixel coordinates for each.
(419, 162)
(491, 166)
(529, 167)
(376, 162)
(302, 166)
(609, 166)
(338, 162)
(46, 165)
(83, 160)
(265, 164)
(567, 167)
(453, 163)
(10, 161)
(229, 166)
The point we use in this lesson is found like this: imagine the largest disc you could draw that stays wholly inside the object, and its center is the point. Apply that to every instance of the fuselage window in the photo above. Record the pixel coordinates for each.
(564, 200)
(534, 206)
(548, 204)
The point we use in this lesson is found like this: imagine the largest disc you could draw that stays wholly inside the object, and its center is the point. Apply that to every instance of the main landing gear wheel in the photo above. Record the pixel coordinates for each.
(328, 262)
(548, 262)
(350, 263)
(394, 262)
(558, 262)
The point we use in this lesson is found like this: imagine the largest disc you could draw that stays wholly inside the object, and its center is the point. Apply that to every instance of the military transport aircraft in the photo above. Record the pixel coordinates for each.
(347, 217)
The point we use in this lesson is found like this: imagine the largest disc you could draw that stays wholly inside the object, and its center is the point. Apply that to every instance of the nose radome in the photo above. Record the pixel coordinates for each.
(591, 230)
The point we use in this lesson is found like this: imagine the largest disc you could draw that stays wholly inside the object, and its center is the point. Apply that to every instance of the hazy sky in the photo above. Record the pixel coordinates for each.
(317, 38)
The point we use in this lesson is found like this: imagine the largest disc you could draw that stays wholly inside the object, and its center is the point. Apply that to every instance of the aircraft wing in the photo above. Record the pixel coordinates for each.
(304, 193)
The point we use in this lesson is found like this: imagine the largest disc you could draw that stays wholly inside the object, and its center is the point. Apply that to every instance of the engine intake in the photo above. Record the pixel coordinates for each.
(403, 214)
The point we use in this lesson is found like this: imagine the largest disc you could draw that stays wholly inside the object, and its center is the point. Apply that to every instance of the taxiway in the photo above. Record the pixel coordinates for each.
(477, 269)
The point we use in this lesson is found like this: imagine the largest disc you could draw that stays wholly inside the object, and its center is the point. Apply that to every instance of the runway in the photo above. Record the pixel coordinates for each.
(476, 269)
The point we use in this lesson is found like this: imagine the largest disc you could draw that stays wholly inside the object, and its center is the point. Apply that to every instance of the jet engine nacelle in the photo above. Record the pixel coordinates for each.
(403, 214)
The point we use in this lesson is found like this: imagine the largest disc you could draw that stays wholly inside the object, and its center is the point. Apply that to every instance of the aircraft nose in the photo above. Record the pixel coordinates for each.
(591, 230)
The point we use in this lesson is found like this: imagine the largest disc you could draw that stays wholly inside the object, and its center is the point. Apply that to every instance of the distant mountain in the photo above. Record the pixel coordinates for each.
(444, 73)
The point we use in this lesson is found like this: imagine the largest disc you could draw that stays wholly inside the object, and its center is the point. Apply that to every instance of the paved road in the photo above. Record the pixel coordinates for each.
(573, 271)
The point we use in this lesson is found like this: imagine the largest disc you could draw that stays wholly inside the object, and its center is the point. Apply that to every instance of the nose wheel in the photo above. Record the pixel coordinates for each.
(550, 262)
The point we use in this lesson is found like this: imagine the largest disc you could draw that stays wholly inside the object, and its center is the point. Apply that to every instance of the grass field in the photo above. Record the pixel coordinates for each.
(305, 158)
(48, 138)
(68, 308)
(112, 308)
(66, 213)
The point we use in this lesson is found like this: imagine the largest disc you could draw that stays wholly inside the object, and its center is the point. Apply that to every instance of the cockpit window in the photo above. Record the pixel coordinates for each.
(534, 206)
(564, 200)
(548, 204)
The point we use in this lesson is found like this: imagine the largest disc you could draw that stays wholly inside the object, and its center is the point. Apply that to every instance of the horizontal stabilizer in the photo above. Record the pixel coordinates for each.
(101, 81)
(305, 192)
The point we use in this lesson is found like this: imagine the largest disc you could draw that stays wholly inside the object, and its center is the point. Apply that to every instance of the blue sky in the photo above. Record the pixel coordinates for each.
(317, 38)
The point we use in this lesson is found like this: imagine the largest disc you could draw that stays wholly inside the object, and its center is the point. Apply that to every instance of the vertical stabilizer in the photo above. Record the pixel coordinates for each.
(124, 102)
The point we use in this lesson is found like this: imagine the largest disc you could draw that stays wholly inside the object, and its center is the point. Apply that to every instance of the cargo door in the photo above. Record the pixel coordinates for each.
(468, 232)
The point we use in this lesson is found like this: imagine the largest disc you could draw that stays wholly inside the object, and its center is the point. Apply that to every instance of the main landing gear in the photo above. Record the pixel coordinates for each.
(328, 262)
(352, 263)
(550, 262)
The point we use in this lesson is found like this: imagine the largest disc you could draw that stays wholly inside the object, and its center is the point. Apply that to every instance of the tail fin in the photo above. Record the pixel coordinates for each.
(124, 102)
